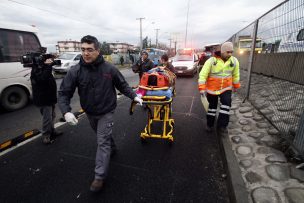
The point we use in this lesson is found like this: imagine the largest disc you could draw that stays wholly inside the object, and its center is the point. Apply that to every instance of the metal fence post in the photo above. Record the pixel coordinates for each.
(299, 138)
(251, 58)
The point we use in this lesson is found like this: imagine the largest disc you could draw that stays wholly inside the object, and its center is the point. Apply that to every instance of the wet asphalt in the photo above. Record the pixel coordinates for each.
(189, 170)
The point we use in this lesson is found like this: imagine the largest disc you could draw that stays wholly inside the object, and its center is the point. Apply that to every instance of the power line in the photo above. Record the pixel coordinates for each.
(60, 14)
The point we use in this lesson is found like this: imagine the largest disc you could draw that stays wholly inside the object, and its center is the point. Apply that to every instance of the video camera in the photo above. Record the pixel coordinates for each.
(34, 59)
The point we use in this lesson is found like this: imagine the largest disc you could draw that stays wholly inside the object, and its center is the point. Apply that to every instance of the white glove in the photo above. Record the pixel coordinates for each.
(70, 118)
(138, 100)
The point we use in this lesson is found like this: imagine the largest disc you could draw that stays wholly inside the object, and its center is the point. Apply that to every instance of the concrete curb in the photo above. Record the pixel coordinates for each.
(12, 142)
(236, 185)
(27, 135)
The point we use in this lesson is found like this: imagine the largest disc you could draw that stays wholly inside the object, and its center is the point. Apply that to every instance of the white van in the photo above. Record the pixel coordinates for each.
(185, 62)
(15, 84)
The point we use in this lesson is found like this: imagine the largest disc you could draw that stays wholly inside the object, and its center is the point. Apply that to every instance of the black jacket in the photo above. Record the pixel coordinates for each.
(96, 83)
(145, 66)
(44, 86)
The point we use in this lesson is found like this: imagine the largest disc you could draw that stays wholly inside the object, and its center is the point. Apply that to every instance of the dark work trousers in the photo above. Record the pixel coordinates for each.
(223, 118)
(48, 117)
(102, 125)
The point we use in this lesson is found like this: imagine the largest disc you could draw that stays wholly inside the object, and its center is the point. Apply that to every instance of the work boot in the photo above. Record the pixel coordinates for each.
(96, 185)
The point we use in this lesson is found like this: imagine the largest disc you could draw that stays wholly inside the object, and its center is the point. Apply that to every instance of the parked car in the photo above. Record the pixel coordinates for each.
(68, 59)
(185, 64)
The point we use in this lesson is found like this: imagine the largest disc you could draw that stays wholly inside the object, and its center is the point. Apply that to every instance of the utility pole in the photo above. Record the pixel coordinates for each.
(187, 24)
(170, 46)
(140, 30)
(156, 40)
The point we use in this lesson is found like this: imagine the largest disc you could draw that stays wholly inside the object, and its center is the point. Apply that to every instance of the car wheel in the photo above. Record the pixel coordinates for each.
(193, 73)
(14, 98)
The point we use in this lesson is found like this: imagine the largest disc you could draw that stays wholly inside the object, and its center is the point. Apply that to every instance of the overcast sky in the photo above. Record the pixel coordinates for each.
(209, 21)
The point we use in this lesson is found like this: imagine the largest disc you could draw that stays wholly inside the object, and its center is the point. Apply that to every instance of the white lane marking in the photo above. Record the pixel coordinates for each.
(56, 125)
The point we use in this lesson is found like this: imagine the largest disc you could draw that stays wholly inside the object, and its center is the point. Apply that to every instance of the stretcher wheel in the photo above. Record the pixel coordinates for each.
(170, 141)
(132, 106)
(143, 140)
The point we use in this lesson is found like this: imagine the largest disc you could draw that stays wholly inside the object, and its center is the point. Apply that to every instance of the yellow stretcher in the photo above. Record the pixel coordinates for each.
(159, 112)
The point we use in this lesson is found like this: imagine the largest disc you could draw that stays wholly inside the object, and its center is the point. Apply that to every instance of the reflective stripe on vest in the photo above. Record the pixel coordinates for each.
(217, 92)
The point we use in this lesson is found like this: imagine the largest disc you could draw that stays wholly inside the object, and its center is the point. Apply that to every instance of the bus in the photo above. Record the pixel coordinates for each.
(15, 84)
(155, 54)
(244, 45)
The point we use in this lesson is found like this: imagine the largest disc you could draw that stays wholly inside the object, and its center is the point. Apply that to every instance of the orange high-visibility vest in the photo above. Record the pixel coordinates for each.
(218, 76)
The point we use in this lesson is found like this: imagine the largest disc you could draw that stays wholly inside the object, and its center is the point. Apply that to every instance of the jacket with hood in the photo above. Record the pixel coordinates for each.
(96, 83)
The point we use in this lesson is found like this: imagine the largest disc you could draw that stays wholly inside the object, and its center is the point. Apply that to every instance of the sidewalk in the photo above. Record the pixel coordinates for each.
(266, 174)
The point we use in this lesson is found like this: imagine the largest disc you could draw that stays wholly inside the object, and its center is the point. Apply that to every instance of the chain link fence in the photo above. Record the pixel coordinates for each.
(271, 55)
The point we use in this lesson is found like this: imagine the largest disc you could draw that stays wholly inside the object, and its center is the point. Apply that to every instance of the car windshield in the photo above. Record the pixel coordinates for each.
(183, 58)
(66, 56)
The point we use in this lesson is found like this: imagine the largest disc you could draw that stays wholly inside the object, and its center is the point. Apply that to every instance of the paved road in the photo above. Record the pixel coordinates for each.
(18, 122)
(188, 171)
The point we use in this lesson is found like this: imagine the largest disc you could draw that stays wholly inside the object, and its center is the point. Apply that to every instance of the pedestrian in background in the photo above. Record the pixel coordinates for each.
(121, 60)
(144, 64)
(97, 81)
(218, 77)
(45, 97)
(165, 63)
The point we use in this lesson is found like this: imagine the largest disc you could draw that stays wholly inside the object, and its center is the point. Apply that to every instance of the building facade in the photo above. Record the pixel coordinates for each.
(68, 46)
(121, 47)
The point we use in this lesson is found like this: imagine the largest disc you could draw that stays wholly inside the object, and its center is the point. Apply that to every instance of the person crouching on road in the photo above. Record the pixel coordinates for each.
(218, 77)
(45, 97)
(96, 81)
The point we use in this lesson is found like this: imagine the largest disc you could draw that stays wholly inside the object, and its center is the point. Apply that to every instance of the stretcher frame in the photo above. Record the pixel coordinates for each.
(159, 110)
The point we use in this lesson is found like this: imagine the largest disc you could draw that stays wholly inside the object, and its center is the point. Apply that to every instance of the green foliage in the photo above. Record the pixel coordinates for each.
(105, 49)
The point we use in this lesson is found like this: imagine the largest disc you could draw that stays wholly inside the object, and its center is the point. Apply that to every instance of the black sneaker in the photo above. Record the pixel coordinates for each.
(46, 139)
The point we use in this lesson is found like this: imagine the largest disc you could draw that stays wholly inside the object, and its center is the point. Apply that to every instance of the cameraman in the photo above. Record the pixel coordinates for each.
(45, 97)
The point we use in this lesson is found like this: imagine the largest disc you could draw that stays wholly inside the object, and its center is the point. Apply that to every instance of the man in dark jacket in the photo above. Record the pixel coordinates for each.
(96, 81)
(144, 64)
(45, 97)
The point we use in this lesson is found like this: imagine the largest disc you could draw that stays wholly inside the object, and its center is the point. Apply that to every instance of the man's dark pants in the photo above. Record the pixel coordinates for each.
(223, 118)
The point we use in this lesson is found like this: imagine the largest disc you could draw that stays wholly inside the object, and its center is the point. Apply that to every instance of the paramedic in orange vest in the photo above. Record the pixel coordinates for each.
(219, 76)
